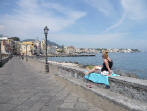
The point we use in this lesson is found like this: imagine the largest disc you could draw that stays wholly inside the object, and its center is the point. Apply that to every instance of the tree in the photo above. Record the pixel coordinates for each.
(63, 49)
(15, 38)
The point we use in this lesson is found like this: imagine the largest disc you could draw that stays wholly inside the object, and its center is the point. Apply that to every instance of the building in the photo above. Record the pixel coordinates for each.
(52, 49)
(7, 45)
(70, 50)
(27, 48)
(42, 44)
(37, 47)
(17, 48)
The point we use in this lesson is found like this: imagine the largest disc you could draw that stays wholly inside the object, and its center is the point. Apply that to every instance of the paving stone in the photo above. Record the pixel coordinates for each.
(65, 109)
(6, 107)
(95, 109)
(36, 107)
(67, 105)
(62, 94)
(81, 106)
(45, 108)
(5, 99)
(17, 100)
(75, 95)
(71, 99)
(82, 100)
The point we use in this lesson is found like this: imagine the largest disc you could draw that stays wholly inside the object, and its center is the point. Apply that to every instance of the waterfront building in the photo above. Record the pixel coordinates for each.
(4, 46)
(52, 50)
(17, 47)
(92, 50)
(82, 50)
(70, 50)
(42, 47)
(37, 47)
(27, 48)
(77, 50)
(7, 45)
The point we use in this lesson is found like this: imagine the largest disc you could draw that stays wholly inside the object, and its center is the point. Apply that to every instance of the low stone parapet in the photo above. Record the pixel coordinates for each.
(130, 87)
(4, 60)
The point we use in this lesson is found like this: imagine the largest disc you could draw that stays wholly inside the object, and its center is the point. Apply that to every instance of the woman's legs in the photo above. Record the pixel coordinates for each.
(96, 68)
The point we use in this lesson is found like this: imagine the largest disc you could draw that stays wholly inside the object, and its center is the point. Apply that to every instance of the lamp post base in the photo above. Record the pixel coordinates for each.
(46, 68)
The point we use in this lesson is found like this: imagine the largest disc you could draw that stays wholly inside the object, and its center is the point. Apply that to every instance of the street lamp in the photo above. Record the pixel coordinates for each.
(46, 58)
(26, 52)
(0, 52)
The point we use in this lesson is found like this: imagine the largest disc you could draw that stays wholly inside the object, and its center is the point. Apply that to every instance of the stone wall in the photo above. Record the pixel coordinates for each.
(4, 60)
(130, 87)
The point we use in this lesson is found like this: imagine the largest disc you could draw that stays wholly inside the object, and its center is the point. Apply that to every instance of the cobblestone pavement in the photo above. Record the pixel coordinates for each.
(22, 88)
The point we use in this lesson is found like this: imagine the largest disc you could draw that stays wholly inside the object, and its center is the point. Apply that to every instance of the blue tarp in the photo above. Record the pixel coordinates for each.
(99, 78)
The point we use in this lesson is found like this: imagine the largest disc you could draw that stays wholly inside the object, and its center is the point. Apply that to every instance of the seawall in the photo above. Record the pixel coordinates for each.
(125, 91)
(4, 60)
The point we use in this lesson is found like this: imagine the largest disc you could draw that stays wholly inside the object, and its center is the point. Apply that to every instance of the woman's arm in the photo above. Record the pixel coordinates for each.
(107, 66)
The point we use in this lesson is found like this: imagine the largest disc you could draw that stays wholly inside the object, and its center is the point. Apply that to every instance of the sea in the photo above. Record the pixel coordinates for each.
(129, 63)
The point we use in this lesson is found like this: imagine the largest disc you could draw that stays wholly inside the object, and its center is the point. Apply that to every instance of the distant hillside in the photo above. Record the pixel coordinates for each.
(49, 42)
(15, 38)
(53, 44)
(29, 40)
(1, 35)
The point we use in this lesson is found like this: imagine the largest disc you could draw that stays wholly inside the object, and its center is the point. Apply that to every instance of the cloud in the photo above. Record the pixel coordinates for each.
(64, 11)
(1, 27)
(117, 24)
(109, 40)
(30, 17)
(94, 40)
(135, 9)
(103, 6)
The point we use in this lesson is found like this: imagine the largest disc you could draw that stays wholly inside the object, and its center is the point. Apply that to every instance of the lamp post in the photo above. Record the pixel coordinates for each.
(0, 53)
(46, 58)
(26, 53)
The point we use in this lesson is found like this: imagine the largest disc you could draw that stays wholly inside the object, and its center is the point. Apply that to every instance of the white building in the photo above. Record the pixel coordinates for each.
(52, 50)
(42, 44)
(37, 44)
(70, 50)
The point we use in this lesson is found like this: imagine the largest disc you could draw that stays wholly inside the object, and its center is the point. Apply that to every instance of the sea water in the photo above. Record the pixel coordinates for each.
(134, 63)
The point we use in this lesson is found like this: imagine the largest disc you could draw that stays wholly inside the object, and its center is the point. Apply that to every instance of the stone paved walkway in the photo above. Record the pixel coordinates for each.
(24, 86)
(24, 89)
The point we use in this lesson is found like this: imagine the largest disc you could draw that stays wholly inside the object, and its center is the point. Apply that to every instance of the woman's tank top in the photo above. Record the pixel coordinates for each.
(104, 68)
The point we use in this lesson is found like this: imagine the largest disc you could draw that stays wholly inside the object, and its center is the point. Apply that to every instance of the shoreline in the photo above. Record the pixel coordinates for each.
(69, 55)
(80, 55)
(117, 71)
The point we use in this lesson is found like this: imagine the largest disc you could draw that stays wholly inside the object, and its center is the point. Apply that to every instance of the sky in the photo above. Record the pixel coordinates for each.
(81, 23)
